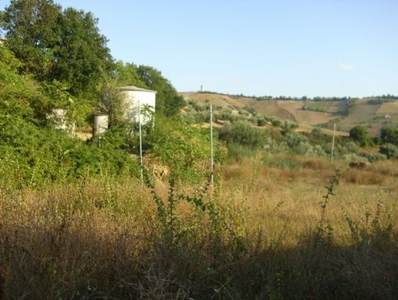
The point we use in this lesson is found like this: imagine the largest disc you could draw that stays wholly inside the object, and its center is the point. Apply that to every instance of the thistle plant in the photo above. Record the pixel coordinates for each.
(326, 229)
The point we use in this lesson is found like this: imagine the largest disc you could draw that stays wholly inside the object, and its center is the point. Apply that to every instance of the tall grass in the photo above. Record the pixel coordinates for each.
(254, 235)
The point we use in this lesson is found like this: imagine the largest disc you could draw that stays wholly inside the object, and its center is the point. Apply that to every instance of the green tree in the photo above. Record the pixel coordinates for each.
(20, 96)
(168, 101)
(127, 74)
(56, 45)
(32, 31)
(359, 134)
(389, 135)
(81, 55)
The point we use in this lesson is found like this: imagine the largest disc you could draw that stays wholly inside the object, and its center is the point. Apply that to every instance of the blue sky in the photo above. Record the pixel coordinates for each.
(257, 47)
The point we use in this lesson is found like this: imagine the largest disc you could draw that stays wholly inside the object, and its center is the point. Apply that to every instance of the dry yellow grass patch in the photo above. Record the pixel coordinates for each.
(102, 238)
(388, 108)
(286, 202)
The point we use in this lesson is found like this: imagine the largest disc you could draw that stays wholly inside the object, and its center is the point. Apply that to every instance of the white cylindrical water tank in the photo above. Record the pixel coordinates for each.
(100, 125)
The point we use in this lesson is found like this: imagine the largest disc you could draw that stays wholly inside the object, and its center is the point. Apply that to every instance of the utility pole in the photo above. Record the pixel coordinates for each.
(211, 147)
(334, 134)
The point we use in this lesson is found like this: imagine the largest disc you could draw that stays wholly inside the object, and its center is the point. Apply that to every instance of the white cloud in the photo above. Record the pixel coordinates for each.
(346, 67)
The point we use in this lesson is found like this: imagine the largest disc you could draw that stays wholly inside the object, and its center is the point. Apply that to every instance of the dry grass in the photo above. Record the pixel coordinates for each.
(388, 108)
(259, 238)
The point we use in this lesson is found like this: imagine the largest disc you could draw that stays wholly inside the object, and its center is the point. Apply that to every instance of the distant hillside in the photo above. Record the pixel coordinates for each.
(374, 114)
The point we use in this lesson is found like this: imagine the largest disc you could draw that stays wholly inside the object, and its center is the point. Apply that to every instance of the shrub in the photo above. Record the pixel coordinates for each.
(261, 122)
(238, 152)
(359, 134)
(294, 139)
(276, 122)
(389, 135)
(36, 157)
(390, 150)
(373, 157)
(243, 133)
(183, 147)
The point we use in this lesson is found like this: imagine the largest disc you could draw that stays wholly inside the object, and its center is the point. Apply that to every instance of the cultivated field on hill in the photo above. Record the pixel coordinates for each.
(373, 116)
(305, 116)
(388, 109)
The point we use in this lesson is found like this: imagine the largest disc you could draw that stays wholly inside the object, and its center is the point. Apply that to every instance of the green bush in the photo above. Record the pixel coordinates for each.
(359, 134)
(389, 135)
(243, 133)
(35, 155)
(183, 147)
(261, 121)
(276, 122)
(390, 150)
(373, 157)
(237, 152)
(294, 139)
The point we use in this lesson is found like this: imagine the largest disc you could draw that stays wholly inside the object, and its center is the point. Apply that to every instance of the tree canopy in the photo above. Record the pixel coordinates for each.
(389, 135)
(57, 45)
(360, 135)
(168, 101)
(31, 33)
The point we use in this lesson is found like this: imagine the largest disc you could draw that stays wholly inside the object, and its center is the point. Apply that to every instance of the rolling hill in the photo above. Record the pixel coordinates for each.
(345, 113)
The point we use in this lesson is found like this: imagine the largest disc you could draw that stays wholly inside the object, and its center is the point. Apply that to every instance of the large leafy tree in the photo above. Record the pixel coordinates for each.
(81, 55)
(57, 45)
(32, 31)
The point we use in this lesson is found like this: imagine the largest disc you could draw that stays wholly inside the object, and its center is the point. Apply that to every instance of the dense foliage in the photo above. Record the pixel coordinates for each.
(168, 101)
(359, 134)
(33, 151)
(389, 135)
(57, 45)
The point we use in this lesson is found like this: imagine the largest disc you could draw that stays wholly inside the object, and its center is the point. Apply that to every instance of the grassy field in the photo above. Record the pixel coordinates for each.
(272, 227)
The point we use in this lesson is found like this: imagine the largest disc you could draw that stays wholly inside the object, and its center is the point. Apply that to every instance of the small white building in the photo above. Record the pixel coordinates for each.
(60, 119)
(138, 99)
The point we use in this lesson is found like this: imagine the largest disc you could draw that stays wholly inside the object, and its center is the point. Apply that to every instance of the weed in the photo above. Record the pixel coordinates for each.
(326, 230)
(373, 229)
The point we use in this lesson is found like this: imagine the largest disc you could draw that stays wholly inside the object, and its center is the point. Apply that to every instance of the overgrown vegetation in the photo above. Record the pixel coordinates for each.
(254, 234)
(85, 219)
